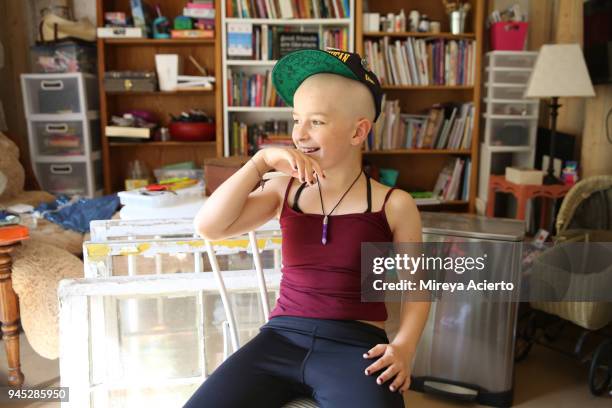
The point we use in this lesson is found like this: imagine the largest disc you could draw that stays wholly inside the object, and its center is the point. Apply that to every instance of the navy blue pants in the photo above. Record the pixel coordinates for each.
(294, 357)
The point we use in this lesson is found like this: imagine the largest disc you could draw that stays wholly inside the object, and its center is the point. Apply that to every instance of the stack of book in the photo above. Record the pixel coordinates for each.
(247, 139)
(444, 126)
(421, 62)
(252, 90)
(263, 42)
(453, 180)
(288, 9)
(203, 14)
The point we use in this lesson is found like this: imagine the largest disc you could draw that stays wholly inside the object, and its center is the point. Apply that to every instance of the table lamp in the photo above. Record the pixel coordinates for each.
(559, 72)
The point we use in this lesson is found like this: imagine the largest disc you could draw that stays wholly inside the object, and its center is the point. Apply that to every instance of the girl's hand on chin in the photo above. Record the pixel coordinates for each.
(291, 162)
(395, 363)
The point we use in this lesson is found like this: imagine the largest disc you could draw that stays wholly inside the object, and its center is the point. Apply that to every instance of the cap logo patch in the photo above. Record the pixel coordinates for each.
(342, 56)
(367, 78)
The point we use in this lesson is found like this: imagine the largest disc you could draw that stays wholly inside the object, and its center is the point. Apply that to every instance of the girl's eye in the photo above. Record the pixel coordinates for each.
(296, 121)
(317, 122)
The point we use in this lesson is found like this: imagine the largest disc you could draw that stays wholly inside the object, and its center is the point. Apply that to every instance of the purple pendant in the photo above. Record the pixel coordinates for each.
(324, 237)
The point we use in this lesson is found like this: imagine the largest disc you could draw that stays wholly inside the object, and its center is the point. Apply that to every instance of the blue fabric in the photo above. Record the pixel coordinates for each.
(77, 214)
(295, 357)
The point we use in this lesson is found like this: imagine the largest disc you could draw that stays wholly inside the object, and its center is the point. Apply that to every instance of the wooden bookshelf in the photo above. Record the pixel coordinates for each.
(138, 54)
(419, 168)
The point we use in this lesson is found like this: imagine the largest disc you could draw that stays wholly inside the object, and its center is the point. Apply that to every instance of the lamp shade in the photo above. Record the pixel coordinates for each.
(559, 71)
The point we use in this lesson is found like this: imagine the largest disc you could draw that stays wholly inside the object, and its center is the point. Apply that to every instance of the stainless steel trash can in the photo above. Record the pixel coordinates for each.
(467, 348)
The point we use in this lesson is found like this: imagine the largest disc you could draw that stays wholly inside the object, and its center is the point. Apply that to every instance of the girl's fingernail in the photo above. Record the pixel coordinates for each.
(367, 372)
(379, 381)
(365, 355)
(392, 388)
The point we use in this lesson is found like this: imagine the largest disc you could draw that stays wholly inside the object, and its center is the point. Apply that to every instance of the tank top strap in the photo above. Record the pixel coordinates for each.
(369, 194)
(387, 196)
(287, 190)
(295, 205)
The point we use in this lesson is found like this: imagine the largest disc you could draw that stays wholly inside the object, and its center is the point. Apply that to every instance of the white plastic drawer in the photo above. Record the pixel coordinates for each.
(69, 178)
(511, 108)
(512, 60)
(505, 92)
(510, 132)
(508, 76)
(60, 94)
(65, 138)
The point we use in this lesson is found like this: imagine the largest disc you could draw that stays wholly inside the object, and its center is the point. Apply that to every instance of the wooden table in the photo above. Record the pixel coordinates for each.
(524, 192)
(10, 238)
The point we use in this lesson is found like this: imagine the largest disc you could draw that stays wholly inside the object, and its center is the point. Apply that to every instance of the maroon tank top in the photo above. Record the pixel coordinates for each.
(324, 281)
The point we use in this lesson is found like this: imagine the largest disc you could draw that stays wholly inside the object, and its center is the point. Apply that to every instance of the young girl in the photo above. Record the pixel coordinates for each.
(321, 341)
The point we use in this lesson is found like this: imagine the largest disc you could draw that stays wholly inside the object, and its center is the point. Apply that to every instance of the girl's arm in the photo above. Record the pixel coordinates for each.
(407, 222)
(233, 209)
(394, 360)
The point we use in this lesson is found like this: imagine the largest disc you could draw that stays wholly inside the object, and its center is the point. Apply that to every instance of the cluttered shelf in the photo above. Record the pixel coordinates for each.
(153, 41)
(402, 34)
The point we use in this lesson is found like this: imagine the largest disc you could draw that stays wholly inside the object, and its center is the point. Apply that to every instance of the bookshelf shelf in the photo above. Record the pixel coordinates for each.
(154, 42)
(265, 109)
(160, 93)
(405, 34)
(449, 202)
(263, 63)
(293, 21)
(419, 151)
(160, 144)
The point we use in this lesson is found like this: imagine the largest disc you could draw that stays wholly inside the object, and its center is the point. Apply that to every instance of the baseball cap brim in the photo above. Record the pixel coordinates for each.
(291, 70)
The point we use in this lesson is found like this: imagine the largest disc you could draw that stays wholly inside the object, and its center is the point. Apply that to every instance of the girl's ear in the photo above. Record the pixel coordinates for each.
(361, 131)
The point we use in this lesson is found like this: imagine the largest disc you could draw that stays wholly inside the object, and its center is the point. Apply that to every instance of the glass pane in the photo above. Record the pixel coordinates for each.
(157, 264)
(249, 318)
(145, 337)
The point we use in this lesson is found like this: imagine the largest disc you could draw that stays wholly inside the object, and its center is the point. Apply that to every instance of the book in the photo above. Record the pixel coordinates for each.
(126, 131)
(239, 40)
(192, 33)
(120, 32)
(199, 12)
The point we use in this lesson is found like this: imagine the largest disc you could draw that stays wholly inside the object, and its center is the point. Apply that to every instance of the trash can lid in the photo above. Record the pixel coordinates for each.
(472, 226)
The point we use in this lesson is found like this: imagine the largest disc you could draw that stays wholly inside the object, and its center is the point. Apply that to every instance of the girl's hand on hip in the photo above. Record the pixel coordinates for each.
(291, 162)
(396, 362)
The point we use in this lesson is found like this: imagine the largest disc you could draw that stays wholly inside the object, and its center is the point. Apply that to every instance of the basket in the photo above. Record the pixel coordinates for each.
(508, 36)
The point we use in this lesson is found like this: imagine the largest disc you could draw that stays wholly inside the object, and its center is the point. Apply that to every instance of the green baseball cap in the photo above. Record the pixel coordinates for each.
(292, 69)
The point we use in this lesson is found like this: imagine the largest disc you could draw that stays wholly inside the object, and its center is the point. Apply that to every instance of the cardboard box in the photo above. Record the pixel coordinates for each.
(520, 175)
(217, 170)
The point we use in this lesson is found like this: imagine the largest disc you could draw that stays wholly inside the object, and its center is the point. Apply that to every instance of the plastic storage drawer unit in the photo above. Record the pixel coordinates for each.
(64, 137)
(508, 75)
(511, 59)
(467, 347)
(70, 178)
(73, 93)
(510, 132)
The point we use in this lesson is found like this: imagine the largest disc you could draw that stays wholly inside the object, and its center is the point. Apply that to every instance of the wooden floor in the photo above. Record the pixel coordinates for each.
(545, 379)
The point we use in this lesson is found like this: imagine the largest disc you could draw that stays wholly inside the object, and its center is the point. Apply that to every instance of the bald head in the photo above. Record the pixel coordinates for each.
(337, 94)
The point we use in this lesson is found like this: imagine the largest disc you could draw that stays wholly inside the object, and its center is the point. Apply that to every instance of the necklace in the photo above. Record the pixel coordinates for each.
(326, 216)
